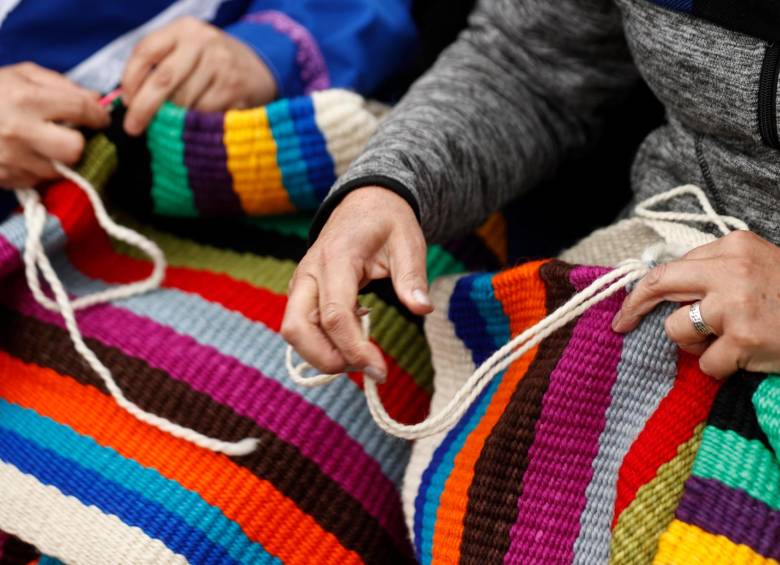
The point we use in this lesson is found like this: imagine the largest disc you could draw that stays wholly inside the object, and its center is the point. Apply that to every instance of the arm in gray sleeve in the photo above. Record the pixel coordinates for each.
(520, 88)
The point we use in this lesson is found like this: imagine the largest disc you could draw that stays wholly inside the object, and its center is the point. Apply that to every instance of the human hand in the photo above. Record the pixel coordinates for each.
(737, 280)
(34, 106)
(372, 234)
(195, 65)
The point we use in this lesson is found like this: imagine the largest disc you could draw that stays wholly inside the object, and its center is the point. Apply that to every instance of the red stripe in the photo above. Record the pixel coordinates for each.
(672, 424)
(95, 257)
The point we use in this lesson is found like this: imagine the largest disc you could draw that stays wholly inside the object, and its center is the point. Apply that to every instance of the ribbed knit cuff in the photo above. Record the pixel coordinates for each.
(335, 198)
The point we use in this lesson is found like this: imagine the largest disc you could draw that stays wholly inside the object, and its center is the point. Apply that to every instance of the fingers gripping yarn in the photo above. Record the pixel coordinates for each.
(35, 260)
(602, 288)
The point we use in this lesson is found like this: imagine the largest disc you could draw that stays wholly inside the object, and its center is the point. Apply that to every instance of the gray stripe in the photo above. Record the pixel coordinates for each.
(647, 369)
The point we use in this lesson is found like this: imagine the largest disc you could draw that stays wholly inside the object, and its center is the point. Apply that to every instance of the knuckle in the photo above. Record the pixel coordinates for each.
(333, 317)
(163, 76)
(655, 277)
(740, 241)
(745, 337)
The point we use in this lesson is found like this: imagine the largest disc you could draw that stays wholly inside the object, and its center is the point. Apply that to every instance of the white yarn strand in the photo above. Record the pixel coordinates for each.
(600, 289)
(35, 259)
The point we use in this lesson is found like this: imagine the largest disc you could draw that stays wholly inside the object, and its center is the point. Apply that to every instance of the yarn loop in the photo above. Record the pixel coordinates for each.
(35, 260)
(602, 288)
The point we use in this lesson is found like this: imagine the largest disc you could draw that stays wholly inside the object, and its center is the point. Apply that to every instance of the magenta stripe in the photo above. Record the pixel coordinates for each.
(314, 71)
(244, 389)
(566, 436)
(10, 260)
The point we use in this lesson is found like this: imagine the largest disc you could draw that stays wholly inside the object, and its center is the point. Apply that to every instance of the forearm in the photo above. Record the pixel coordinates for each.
(522, 87)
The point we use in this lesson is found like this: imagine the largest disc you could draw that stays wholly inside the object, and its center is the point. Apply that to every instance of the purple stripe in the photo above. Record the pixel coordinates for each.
(244, 389)
(566, 436)
(204, 148)
(732, 513)
(311, 63)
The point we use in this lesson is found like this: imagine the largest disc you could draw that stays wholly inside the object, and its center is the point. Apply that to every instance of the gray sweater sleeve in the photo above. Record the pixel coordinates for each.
(520, 88)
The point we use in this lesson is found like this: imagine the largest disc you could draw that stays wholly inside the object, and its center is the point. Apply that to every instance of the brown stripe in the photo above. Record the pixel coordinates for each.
(498, 473)
(275, 461)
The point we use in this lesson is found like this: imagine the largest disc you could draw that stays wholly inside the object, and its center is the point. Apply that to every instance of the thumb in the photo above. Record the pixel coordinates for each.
(408, 272)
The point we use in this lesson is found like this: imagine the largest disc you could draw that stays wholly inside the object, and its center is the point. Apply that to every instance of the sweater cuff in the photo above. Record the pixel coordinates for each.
(276, 49)
(335, 198)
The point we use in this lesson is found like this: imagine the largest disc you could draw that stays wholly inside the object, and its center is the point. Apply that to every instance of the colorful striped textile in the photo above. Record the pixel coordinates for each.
(593, 447)
(274, 159)
(84, 482)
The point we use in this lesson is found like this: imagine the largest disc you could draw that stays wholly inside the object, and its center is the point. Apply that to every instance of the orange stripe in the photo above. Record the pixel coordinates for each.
(265, 515)
(523, 289)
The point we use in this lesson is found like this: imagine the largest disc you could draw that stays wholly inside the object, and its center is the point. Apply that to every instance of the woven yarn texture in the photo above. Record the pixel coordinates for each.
(82, 481)
(593, 447)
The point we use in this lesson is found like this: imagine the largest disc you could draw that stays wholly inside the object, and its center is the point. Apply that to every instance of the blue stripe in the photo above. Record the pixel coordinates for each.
(143, 482)
(472, 300)
(289, 157)
(314, 147)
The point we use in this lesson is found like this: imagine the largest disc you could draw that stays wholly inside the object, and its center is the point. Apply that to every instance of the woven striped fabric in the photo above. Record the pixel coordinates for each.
(84, 482)
(273, 159)
(593, 447)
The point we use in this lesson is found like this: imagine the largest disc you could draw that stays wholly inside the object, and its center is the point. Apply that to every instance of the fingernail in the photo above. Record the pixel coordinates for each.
(421, 297)
(375, 374)
(362, 311)
(616, 321)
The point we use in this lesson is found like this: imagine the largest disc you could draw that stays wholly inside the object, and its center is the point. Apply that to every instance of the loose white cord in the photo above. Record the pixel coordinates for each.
(600, 289)
(35, 259)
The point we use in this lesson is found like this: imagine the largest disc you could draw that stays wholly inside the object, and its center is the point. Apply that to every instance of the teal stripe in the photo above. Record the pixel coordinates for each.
(148, 483)
(289, 157)
(739, 463)
(171, 191)
(496, 324)
(491, 310)
(767, 403)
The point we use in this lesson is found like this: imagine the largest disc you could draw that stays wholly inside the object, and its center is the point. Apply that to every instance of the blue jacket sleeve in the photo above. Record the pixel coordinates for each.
(315, 44)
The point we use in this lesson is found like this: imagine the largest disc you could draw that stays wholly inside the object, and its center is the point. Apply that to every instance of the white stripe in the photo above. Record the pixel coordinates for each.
(6, 7)
(103, 70)
(62, 527)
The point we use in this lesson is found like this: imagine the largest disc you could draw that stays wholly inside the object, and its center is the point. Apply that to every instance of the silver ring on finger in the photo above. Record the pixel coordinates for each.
(702, 328)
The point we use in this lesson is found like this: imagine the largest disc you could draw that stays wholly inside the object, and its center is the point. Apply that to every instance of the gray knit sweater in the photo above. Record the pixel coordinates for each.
(528, 81)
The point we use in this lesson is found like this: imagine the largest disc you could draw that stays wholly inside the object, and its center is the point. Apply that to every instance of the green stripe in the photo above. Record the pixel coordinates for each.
(99, 161)
(739, 463)
(635, 538)
(171, 191)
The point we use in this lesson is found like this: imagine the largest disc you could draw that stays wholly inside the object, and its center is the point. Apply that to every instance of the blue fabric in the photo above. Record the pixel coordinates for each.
(362, 41)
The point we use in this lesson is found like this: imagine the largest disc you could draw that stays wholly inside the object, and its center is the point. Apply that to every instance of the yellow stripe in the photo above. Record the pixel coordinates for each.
(251, 160)
(686, 544)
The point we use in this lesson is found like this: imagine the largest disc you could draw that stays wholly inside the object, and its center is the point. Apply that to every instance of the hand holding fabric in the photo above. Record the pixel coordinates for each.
(737, 280)
(195, 65)
(372, 234)
(36, 107)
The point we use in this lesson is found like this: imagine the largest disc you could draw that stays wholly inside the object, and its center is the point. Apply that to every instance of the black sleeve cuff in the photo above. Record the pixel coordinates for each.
(333, 200)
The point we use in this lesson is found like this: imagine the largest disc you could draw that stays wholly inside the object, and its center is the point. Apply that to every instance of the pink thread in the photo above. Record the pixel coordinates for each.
(314, 71)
